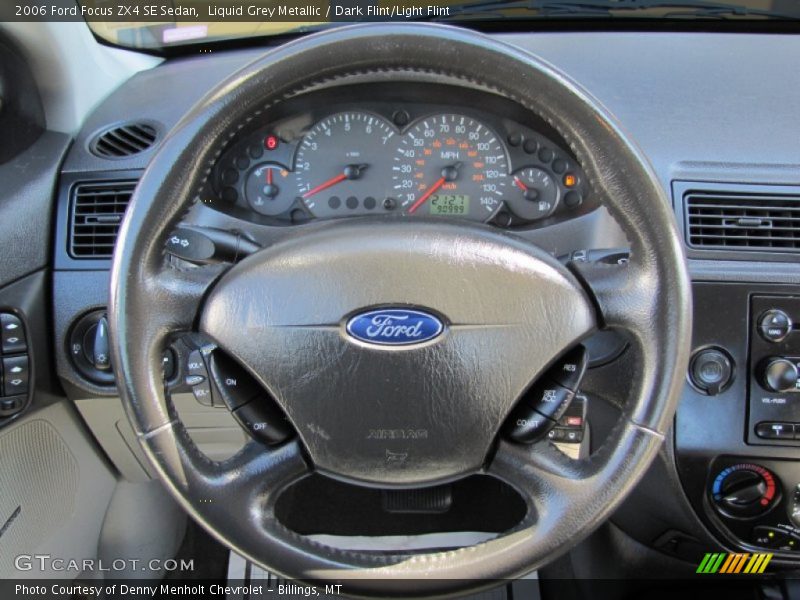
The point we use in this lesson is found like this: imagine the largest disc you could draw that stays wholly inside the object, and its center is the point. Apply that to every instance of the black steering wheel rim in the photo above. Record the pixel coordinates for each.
(650, 299)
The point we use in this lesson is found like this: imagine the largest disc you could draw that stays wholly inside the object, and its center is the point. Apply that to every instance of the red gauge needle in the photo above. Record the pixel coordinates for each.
(439, 183)
(448, 174)
(324, 186)
(520, 185)
(269, 176)
(350, 172)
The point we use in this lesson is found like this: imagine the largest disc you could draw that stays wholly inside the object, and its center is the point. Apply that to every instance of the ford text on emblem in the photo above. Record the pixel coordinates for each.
(394, 326)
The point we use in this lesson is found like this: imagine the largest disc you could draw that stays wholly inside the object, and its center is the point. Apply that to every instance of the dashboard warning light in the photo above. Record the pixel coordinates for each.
(271, 142)
(569, 180)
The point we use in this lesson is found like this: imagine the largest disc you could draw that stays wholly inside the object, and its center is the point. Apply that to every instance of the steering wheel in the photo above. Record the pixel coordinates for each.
(508, 309)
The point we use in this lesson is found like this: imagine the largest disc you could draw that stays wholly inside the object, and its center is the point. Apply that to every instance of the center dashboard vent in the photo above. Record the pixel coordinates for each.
(124, 140)
(742, 221)
(96, 212)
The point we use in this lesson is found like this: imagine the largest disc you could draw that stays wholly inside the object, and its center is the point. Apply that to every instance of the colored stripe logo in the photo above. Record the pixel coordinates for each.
(722, 562)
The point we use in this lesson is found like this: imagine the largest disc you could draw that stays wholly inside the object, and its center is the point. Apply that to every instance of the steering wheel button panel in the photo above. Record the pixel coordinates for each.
(193, 380)
(550, 399)
(197, 373)
(527, 425)
(235, 385)
(569, 371)
(263, 421)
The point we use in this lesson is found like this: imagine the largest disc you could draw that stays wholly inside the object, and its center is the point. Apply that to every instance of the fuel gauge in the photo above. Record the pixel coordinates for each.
(269, 190)
(535, 195)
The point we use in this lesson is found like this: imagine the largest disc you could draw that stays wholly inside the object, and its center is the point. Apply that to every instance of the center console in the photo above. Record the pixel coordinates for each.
(738, 426)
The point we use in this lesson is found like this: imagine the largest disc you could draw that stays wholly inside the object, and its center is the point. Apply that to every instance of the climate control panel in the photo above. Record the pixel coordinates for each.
(756, 502)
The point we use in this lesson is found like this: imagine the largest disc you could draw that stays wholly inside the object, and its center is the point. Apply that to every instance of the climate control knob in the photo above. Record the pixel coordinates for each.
(744, 491)
(780, 375)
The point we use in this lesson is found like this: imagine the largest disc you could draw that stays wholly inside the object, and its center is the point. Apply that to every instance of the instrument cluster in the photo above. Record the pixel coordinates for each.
(392, 158)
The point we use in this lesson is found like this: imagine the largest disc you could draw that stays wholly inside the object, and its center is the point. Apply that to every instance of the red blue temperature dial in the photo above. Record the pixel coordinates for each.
(745, 490)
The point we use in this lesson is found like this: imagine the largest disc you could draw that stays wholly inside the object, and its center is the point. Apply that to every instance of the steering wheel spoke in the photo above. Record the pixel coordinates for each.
(556, 486)
(182, 292)
(543, 474)
(623, 294)
(247, 484)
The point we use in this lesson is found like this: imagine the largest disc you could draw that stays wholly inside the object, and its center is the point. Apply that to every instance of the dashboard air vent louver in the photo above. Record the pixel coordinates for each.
(124, 140)
(96, 211)
(742, 221)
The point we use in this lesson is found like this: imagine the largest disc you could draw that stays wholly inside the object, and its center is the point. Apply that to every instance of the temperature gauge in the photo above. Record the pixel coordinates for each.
(268, 190)
(535, 195)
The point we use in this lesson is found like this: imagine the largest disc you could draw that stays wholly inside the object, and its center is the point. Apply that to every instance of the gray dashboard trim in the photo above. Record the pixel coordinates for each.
(26, 205)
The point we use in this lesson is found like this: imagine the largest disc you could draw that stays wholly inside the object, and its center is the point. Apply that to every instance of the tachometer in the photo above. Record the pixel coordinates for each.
(450, 165)
(342, 165)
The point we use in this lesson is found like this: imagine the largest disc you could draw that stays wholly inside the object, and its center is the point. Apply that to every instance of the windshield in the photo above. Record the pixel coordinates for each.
(160, 24)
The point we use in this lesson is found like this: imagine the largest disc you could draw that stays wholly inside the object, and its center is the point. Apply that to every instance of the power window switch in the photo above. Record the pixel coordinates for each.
(17, 375)
(12, 334)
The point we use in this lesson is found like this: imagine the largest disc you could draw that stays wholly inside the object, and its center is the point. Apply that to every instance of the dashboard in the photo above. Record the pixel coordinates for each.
(408, 151)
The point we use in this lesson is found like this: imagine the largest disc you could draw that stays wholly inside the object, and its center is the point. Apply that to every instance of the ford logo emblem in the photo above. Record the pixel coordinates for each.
(394, 326)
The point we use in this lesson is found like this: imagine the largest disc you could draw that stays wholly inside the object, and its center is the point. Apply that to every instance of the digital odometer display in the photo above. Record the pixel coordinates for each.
(449, 204)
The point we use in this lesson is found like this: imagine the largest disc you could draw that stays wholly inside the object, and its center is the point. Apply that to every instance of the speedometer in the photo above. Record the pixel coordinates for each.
(450, 165)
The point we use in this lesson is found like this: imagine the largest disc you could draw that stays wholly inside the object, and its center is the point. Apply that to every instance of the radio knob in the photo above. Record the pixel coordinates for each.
(780, 375)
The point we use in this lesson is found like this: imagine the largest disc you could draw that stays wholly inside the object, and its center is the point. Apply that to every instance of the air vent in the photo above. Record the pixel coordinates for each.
(124, 140)
(96, 211)
(740, 221)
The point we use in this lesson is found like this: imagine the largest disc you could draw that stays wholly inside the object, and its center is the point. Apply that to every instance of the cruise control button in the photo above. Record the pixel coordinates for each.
(775, 431)
(12, 334)
(550, 399)
(235, 385)
(569, 370)
(263, 421)
(526, 425)
(16, 374)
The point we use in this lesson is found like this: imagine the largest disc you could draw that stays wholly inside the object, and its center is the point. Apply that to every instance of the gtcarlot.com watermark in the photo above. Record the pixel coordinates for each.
(46, 562)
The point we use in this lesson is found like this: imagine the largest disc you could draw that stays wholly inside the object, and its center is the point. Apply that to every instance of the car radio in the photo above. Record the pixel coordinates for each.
(774, 385)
